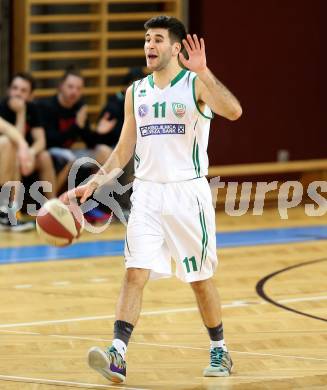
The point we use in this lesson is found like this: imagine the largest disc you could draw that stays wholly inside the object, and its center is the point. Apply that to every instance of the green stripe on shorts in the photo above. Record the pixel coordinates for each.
(204, 235)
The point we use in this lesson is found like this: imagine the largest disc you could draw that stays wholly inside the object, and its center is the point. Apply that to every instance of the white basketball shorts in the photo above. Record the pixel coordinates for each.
(172, 220)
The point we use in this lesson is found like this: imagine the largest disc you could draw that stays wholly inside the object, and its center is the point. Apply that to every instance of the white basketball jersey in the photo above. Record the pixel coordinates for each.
(172, 132)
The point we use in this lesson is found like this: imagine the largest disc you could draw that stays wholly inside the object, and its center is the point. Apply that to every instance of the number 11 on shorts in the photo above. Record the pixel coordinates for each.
(190, 264)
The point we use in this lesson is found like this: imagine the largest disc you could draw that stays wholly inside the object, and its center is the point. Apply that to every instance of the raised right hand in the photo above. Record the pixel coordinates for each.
(106, 125)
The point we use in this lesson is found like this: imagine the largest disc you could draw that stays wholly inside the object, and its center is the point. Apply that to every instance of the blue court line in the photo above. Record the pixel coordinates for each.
(82, 250)
(271, 236)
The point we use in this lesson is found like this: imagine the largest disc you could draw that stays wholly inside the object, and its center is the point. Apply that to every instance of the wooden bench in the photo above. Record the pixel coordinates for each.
(269, 168)
(307, 170)
(98, 36)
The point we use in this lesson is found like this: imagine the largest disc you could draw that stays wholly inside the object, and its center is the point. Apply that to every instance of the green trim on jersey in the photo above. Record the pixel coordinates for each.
(180, 75)
(138, 160)
(133, 91)
(204, 234)
(151, 81)
(195, 158)
(127, 244)
(196, 103)
(174, 81)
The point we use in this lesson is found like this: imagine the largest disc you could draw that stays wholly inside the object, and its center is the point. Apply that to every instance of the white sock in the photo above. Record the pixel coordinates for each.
(14, 206)
(218, 344)
(120, 346)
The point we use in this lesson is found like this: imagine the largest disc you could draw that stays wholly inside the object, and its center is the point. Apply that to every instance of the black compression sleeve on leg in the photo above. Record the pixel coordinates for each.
(123, 331)
(216, 333)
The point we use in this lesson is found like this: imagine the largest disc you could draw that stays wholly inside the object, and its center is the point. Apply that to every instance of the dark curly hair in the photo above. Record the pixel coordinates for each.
(175, 27)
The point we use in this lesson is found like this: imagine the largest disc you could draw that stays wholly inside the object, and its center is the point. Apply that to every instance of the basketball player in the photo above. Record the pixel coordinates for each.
(167, 120)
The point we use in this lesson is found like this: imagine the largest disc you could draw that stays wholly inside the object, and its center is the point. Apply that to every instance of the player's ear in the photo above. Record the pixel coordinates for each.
(177, 47)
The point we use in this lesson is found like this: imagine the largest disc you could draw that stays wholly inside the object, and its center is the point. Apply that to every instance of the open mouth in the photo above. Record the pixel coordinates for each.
(152, 56)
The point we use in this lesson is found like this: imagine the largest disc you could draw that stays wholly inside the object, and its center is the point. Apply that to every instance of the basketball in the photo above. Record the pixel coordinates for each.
(59, 224)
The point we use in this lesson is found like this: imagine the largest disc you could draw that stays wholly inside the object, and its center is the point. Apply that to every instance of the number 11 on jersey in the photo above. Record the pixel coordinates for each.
(156, 107)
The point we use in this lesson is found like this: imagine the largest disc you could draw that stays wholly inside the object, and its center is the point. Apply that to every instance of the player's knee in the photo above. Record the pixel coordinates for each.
(6, 145)
(137, 277)
(105, 149)
(103, 152)
(200, 285)
(43, 159)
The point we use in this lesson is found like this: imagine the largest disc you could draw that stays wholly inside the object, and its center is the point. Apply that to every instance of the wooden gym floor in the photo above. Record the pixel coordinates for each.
(52, 312)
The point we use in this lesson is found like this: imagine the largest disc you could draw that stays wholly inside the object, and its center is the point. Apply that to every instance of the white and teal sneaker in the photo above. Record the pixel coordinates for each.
(220, 363)
(108, 363)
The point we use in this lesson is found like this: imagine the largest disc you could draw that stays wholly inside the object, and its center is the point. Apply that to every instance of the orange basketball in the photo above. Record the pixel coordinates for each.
(59, 224)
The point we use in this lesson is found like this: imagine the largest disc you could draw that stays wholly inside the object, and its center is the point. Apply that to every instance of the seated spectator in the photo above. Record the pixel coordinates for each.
(111, 118)
(65, 119)
(22, 141)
